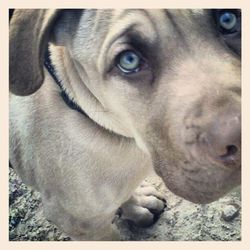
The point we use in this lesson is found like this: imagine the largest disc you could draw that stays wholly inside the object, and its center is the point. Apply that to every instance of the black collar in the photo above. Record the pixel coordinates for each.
(71, 104)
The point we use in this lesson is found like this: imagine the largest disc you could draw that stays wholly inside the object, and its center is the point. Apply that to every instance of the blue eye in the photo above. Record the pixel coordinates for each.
(129, 62)
(228, 21)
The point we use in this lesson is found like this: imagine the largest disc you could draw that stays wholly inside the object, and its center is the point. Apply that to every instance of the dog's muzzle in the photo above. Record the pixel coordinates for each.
(220, 139)
(223, 139)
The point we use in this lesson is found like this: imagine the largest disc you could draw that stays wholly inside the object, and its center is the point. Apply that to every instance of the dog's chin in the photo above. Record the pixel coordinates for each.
(199, 185)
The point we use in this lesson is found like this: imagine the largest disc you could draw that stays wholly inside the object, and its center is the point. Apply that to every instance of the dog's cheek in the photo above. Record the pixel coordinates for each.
(127, 100)
(189, 179)
(167, 135)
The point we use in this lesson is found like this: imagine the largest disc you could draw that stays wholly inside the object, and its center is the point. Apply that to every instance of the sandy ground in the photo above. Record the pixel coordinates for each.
(181, 220)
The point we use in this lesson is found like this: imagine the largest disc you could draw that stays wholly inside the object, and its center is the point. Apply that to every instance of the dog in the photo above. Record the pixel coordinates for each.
(125, 92)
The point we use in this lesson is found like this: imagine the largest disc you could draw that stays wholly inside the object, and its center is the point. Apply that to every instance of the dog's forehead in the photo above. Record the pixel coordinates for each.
(111, 13)
(149, 21)
(119, 14)
(104, 21)
(187, 13)
(109, 17)
(103, 27)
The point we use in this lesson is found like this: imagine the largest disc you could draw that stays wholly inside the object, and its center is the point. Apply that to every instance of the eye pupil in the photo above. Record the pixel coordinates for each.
(129, 62)
(129, 58)
(228, 20)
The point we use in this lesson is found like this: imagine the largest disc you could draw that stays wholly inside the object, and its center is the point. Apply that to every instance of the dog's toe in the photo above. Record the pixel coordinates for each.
(144, 207)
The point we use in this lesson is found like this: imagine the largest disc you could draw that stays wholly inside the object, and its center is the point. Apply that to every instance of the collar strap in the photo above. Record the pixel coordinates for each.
(71, 104)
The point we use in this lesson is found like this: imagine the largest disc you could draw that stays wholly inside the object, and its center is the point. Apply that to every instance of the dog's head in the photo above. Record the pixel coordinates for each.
(169, 79)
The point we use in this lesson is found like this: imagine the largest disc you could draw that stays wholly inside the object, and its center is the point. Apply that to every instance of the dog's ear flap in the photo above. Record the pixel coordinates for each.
(28, 37)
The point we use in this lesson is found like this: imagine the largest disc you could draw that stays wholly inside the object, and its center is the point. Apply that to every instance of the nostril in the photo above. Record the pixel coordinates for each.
(231, 150)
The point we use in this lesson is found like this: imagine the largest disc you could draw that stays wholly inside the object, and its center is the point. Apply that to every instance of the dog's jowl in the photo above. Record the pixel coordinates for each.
(100, 98)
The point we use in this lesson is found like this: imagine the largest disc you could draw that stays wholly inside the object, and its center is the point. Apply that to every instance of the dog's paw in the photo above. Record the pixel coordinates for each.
(144, 207)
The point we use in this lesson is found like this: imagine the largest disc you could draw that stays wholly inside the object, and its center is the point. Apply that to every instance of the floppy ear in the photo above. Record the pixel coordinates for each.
(28, 37)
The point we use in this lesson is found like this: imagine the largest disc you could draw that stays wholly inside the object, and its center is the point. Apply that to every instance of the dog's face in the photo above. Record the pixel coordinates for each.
(170, 79)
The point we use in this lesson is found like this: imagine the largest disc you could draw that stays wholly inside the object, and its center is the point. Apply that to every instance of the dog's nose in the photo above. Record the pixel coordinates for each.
(223, 139)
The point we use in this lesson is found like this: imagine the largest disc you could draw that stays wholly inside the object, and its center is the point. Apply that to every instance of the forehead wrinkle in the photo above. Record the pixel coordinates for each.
(102, 18)
(172, 18)
(189, 15)
(197, 11)
(133, 18)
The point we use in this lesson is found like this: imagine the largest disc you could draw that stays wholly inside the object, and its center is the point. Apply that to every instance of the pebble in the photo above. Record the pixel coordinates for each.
(230, 212)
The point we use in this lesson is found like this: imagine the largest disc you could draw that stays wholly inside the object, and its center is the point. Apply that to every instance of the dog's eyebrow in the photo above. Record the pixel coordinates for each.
(122, 33)
(140, 42)
(133, 23)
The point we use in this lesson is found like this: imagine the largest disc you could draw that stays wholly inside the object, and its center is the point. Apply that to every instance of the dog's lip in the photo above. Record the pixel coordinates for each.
(204, 173)
(196, 193)
(203, 190)
(198, 168)
(199, 183)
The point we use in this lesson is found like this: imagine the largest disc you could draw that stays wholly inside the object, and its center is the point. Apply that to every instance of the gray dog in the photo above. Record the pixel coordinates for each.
(126, 92)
